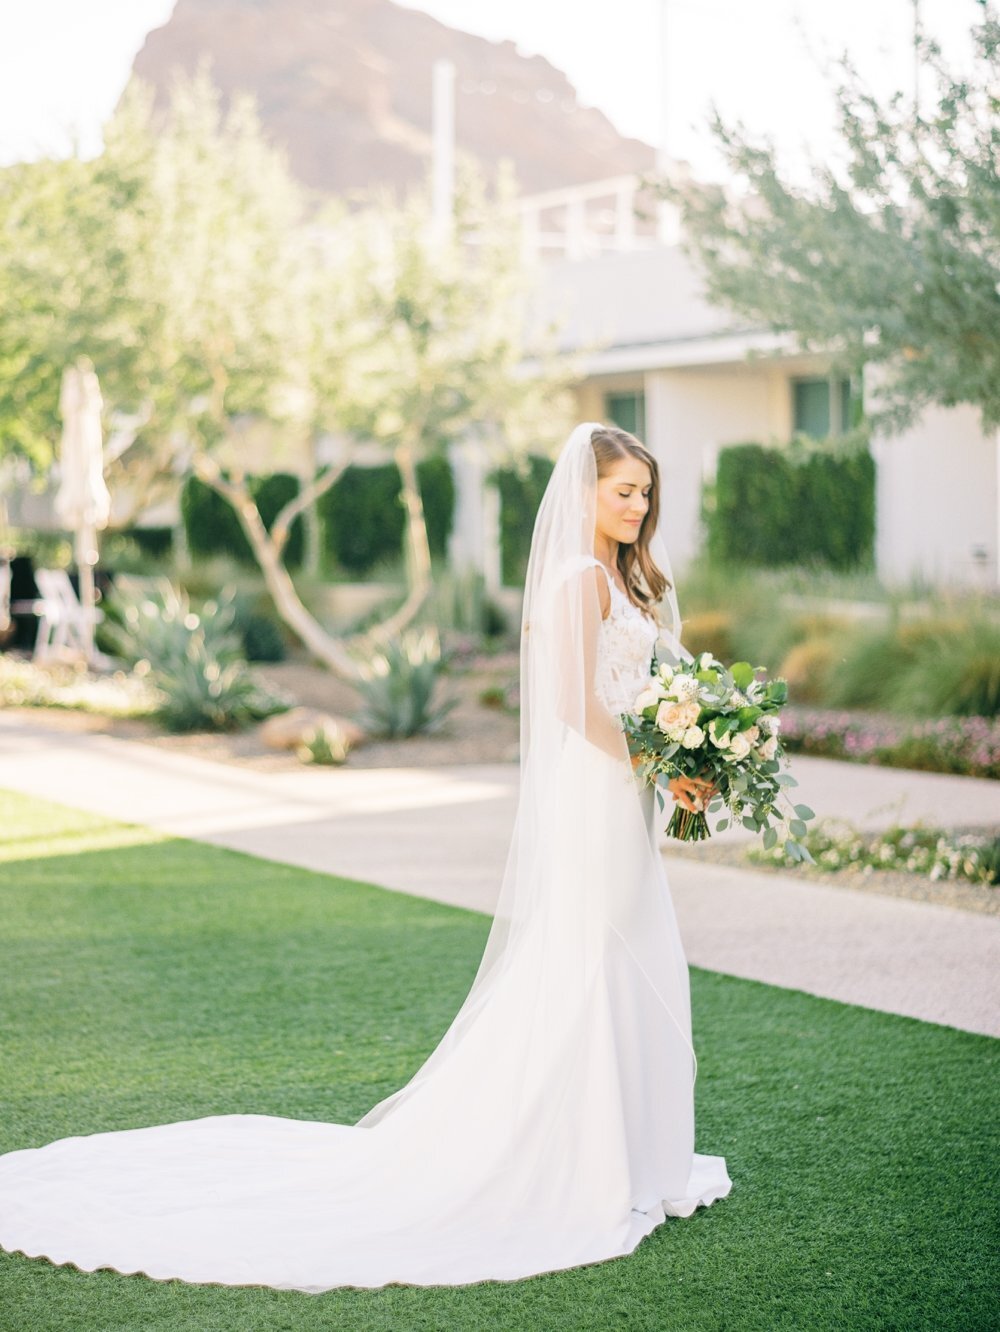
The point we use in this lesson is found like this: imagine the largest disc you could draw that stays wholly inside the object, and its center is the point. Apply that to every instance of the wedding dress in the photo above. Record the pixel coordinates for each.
(552, 1126)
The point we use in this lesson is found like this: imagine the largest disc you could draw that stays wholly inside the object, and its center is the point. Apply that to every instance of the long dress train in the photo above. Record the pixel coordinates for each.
(553, 1127)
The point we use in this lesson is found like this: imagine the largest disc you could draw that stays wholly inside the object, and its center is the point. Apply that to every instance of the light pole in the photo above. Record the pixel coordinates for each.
(443, 139)
(664, 212)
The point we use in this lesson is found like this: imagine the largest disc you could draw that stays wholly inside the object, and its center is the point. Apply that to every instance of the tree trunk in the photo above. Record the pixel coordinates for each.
(417, 552)
(267, 551)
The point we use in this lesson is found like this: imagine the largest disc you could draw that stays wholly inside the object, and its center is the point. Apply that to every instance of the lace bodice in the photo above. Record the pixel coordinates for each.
(624, 648)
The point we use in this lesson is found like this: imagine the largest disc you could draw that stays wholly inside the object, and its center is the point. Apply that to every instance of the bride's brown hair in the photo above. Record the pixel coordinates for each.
(645, 582)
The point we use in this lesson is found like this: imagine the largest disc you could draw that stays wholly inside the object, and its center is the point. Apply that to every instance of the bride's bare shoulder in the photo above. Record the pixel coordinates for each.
(603, 591)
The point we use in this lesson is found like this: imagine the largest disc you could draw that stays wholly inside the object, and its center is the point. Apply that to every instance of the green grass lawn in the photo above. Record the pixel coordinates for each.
(144, 980)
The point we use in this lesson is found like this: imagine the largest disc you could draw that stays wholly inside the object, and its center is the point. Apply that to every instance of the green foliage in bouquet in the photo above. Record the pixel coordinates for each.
(399, 686)
(720, 724)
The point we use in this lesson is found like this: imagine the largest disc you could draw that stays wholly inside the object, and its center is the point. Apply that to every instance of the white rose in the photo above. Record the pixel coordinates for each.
(768, 749)
(720, 740)
(684, 687)
(693, 737)
(769, 723)
(670, 714)
(690, 712)
(753, 734)
(739, 746)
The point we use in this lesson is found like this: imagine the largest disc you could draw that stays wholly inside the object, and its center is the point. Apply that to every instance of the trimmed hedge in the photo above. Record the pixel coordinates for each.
(362, 517)
(520, 495)
(213, 528)
(157, 542)
(771, 507)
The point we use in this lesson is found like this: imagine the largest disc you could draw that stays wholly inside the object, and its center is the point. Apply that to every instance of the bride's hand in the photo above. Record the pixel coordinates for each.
(692, 793)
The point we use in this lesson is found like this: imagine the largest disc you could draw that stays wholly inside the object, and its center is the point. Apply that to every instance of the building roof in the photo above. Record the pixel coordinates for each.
(643, 307)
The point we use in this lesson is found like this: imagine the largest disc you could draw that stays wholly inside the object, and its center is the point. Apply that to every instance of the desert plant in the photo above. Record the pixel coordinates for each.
(954, 674)
(194, 659)
(326, 745)
(399, 686)
(809, 666)
(459, 603)
(876, 660)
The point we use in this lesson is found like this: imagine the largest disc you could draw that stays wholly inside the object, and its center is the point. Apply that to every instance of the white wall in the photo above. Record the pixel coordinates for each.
(938, 506)
(690, 415)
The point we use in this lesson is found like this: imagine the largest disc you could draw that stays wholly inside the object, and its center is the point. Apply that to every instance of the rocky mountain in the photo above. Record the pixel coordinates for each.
(345, 87)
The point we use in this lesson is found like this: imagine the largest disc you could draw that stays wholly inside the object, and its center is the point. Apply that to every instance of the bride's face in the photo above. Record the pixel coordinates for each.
(623, 500)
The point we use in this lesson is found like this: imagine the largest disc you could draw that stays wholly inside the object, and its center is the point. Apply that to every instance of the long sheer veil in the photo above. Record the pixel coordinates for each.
(560, 621)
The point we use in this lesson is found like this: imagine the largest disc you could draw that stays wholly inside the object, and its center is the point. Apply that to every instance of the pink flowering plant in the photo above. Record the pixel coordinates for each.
(701, 719)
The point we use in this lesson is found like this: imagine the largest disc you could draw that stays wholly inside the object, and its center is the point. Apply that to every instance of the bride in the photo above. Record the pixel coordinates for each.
(553, 1125)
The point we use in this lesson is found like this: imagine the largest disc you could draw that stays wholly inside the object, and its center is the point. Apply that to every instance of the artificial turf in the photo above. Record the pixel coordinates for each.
(145, 979)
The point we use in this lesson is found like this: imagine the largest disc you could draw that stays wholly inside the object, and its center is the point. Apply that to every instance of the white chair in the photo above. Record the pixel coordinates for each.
(62, 621)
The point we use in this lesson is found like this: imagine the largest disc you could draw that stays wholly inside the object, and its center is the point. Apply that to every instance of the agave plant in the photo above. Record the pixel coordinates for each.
(399, 686)
(194, 659)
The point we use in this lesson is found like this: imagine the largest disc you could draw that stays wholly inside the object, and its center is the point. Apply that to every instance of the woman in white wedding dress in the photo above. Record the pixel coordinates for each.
(553, 1125)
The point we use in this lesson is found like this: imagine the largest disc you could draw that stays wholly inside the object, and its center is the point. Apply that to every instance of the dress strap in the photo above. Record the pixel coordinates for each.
(612, 585)
(605, 571)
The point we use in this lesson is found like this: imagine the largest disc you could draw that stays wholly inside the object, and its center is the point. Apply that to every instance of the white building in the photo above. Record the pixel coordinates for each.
(689, 378)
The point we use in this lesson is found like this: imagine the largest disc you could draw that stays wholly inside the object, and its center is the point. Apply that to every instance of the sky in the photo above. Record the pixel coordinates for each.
(63, 63)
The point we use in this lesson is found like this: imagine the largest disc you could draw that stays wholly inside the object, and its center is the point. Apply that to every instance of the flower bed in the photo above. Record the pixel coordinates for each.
(966, 745)
(931, 852)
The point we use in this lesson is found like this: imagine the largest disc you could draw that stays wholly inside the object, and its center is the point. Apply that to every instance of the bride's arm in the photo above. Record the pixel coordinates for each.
(579, 704)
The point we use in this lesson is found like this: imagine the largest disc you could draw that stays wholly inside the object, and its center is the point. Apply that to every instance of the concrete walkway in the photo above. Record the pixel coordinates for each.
(443, 833)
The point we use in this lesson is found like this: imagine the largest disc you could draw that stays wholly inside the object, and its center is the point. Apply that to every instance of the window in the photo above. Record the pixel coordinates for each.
(821, 406)
(628, 411)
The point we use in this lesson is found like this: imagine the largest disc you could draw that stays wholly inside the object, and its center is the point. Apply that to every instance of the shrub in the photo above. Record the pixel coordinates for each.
(709, 631)
(954, 673)
(875, 662)
(193, 659)
(521, 490)
(801, 504)
(807, 668)
(459, 603)
(966, 745)
(399, 687)
(213, 528)
(328, 745)
(362, 518)
(261, 634)
(929, 852)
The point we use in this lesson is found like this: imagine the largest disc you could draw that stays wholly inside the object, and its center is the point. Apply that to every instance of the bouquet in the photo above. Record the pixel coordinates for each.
(720, 724)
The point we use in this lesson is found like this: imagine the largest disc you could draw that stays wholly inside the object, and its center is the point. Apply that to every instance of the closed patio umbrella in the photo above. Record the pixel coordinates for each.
(82, 501)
